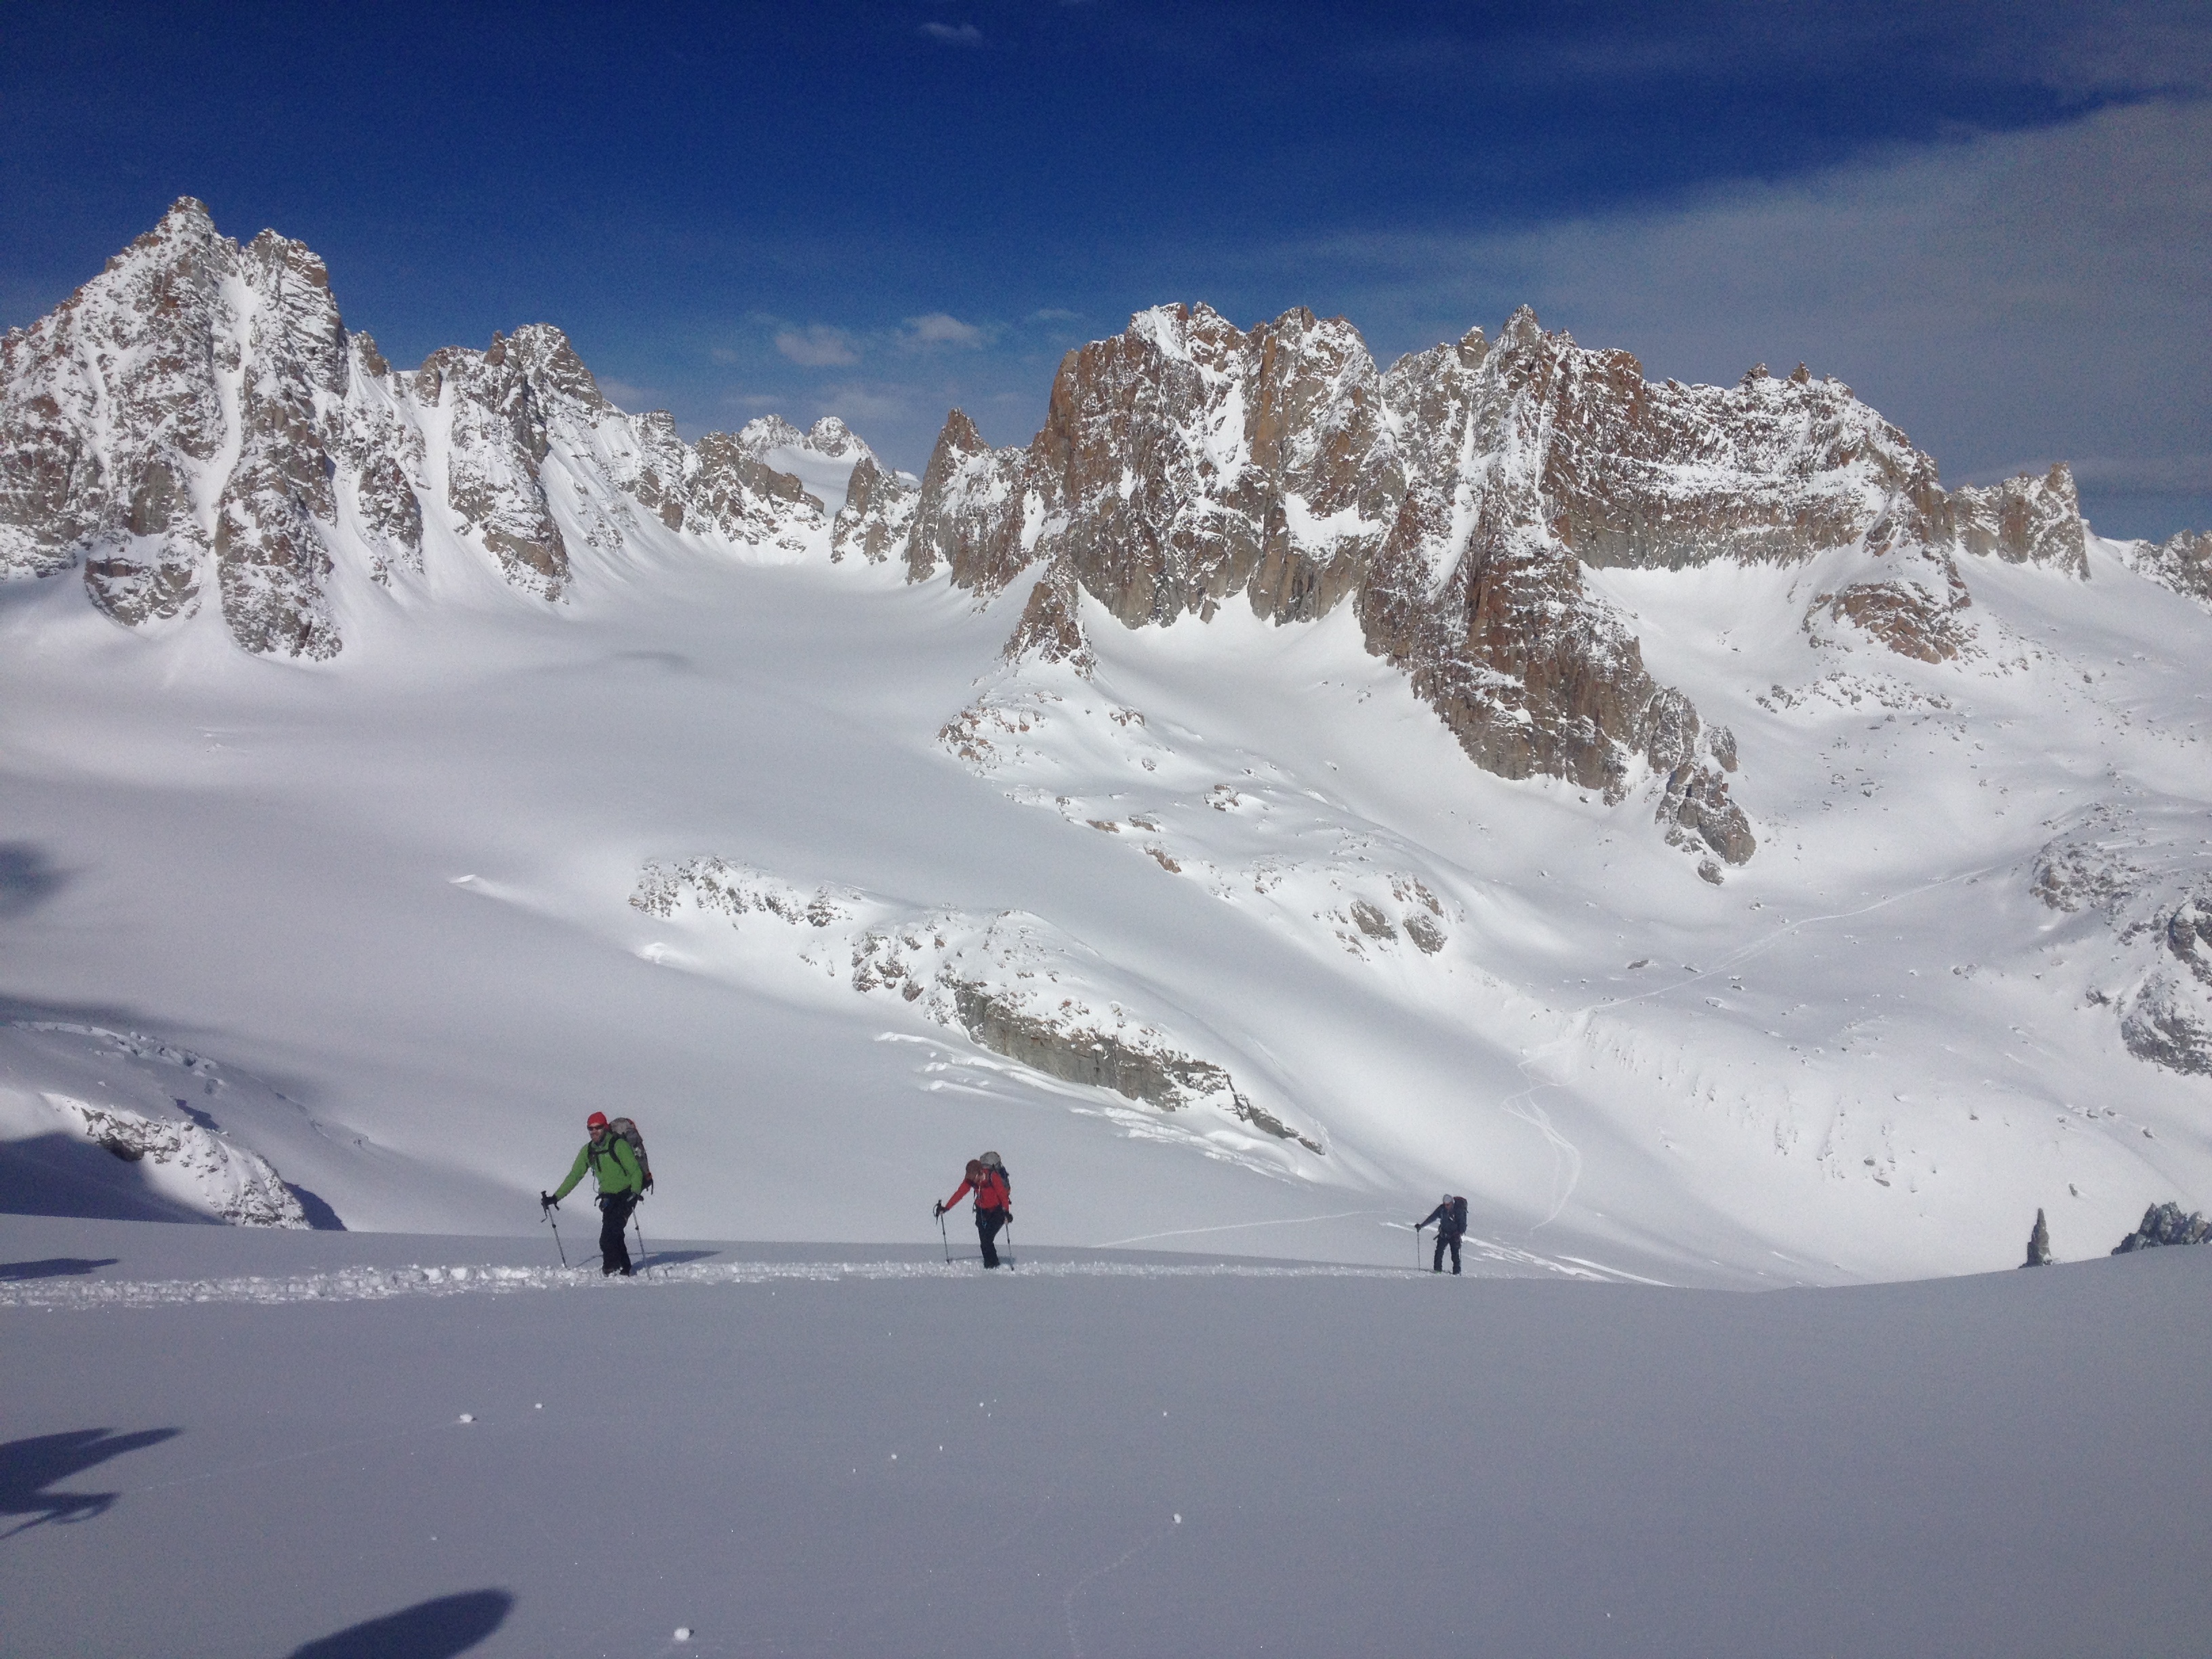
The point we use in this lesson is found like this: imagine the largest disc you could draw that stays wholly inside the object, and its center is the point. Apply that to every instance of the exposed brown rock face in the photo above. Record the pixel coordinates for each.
(2025, 520)
(1180, 463)
(1912, 616)
(734, 493)
(1456, 500)
(970, 514)
(877, 514)
(496, 441)
(1164, 1079)
(1476, 595)
(197, 418)
(1050, 627)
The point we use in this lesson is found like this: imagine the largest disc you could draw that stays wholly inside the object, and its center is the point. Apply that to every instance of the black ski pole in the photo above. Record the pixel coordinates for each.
(1417, 1249)
(943, 1237)
(545, 1208)
(644, 1256)
(1010, 1241)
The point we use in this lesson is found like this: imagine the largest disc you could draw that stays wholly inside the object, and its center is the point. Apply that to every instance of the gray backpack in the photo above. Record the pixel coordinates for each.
(623, 1128)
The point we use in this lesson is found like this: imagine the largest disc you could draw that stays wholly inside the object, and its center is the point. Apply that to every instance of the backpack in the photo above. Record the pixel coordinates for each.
(991, 1161)
(623, 1128)
(1459, 1215)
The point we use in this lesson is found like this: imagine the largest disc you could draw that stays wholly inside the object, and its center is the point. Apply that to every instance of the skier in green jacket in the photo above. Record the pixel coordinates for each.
(621, 1183)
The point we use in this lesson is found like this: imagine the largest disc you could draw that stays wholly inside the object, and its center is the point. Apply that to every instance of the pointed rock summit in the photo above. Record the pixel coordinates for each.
(197, 422)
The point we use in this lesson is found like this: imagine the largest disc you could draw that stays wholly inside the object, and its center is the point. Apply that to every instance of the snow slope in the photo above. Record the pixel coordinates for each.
(800, 1451)
(395, 891)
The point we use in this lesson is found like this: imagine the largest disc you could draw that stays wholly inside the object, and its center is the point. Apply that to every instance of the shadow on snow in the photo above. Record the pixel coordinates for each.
(436, 1629)
(29, 1467)
(55, 1266)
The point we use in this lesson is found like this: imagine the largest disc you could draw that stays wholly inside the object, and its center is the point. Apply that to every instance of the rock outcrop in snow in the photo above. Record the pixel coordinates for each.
(191, 1165)
(1012, 983)
(2182, 562)
(2151, 884)
(2165, 1224)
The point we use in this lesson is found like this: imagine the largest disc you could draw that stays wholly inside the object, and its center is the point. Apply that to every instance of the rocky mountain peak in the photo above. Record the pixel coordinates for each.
(831, 436)
(197, 419)
(766, 432)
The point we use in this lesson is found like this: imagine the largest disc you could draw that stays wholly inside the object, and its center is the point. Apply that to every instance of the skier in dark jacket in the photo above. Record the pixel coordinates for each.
(621, 1184)
(1451, 1219)
(987, 1179)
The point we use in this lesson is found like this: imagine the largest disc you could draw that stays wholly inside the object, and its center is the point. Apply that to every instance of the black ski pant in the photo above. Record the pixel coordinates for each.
(987, 1223)
(1443, 1239)
(614, 1216)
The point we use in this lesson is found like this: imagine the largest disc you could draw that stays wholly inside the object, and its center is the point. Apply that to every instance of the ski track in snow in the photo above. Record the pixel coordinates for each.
(1567, 1156)
(1074, 1642)
(380, 1283)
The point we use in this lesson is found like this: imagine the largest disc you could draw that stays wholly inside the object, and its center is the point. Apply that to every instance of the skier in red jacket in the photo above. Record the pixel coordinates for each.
(994, 1198)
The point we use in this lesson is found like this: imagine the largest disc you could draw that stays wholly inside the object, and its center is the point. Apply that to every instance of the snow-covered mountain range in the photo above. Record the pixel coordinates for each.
(1667, 813)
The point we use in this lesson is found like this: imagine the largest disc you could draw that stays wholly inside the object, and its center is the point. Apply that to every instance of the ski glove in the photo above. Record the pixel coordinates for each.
(546, 1200)
(938, 1209)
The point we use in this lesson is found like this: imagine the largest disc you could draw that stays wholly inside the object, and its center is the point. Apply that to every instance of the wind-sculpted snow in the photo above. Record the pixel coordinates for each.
(1015, 984)
(1257, 842)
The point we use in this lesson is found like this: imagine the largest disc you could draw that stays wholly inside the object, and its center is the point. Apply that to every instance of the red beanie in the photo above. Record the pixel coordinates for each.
(597, 1121)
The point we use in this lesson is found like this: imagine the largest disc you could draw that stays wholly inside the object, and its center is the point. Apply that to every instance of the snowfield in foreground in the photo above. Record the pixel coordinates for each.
(792, 1451)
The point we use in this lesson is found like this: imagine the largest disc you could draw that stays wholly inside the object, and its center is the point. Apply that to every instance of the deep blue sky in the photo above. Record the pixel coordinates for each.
(1990, 219)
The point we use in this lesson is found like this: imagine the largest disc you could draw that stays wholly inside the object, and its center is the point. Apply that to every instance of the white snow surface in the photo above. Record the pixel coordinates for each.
(388, 899)
(223, 1441)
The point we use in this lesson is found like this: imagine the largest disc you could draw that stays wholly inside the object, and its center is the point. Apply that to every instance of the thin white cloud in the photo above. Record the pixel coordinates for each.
(860, 405)
(2139, 475)
(622, 395)
(818, 346)
(963, 34)
(939, 328)
(2027, 294)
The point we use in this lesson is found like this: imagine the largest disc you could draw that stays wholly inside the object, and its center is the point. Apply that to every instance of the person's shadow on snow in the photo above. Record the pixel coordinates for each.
(28, 1467)
(428, 1629)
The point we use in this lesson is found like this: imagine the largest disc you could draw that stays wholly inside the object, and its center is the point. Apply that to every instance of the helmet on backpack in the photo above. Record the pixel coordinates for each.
(991, 1161)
